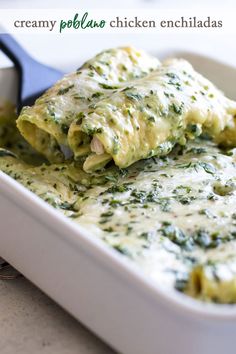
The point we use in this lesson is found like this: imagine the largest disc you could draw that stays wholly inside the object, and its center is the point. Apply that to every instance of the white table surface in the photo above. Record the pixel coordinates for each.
(30, 322)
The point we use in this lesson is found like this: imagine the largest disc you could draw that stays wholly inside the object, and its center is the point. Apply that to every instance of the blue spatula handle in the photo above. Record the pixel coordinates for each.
(34, 77)
(14, 51)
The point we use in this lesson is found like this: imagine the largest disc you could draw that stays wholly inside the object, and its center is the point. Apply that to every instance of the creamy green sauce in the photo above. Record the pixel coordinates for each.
(124, 105)
(174, 216)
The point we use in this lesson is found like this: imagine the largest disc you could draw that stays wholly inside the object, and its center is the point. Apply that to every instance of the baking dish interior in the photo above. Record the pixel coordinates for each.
(224, 77)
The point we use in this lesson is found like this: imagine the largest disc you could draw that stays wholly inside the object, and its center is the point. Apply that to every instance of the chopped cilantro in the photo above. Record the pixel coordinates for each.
(64, 90)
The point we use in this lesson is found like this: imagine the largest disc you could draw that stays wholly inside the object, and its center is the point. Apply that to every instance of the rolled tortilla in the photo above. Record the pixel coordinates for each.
(45, 125)
(214, 281)
(147, 118)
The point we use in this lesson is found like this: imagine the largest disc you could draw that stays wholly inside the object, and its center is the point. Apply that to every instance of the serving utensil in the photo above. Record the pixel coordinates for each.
(34, 77)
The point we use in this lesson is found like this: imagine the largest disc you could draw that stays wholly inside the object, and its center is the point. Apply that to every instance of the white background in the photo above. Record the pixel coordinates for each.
(67, 51)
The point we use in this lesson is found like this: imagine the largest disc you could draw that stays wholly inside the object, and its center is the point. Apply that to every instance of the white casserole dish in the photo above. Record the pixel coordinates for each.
(100, 287)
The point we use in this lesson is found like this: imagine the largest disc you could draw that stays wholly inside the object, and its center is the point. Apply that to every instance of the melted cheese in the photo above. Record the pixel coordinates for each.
(174, 216)
(170, 105)
(45, 125)
(124, 105)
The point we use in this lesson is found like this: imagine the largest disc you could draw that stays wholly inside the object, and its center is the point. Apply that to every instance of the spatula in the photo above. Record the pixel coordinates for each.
(34, 77)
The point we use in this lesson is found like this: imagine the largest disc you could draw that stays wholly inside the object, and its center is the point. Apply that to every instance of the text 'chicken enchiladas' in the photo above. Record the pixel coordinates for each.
(139, 155)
